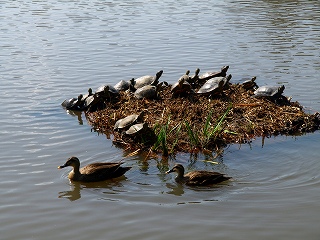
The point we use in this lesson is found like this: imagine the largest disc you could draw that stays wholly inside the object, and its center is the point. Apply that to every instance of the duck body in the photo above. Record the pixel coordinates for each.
(198, 178)
(94, 172)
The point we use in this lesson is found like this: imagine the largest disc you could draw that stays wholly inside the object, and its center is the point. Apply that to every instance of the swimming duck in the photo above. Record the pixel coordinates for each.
(199, 178)
(93, 172)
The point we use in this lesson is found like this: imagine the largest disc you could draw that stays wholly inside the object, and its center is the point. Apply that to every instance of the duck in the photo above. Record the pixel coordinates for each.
(93, 172)
(197, 178)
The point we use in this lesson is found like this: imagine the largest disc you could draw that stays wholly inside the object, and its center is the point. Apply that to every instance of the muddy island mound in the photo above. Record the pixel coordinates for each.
(192, 122)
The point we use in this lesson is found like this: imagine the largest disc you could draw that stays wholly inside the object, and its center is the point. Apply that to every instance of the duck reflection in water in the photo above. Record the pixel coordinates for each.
(73, 194)
(92, 188)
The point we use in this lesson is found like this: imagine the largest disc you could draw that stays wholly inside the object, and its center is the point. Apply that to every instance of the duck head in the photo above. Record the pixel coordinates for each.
(72, 162)
(178, 168)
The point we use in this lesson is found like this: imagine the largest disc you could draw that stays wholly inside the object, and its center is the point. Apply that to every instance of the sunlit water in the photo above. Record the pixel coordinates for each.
(53, 50)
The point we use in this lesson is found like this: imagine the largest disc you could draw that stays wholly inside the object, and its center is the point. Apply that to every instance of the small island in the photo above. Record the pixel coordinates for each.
(192, 122)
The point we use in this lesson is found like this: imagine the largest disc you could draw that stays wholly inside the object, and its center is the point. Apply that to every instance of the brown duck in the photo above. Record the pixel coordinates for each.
(197, 178)
(93, 172)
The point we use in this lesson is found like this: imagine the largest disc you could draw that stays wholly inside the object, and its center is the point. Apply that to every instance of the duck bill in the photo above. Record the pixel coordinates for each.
(170, 171)
(62, 166)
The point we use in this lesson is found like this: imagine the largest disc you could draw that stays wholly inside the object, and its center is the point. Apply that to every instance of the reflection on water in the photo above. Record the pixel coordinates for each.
(73, 194)
(77, 114)
(108, 187)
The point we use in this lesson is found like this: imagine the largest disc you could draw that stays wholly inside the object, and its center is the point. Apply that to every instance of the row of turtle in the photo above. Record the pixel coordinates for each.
(209, 83)
(142, 87)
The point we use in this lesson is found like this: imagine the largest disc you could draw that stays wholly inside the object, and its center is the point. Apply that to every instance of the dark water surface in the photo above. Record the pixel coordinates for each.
(53, 50)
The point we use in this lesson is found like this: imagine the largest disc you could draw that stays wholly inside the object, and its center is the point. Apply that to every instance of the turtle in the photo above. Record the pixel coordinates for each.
(213, 86)
(181, 87)
(123, 85)
(195, 78)
(127, 122)
(185, 76)
(226, 81)
(147, 80)
(84, 97)
(250, 84)
(136, 129)
(94, 103)
(68, 102)
(149, 92)
(73, 103)
(272, 92)
(107, 92)
(208, 75)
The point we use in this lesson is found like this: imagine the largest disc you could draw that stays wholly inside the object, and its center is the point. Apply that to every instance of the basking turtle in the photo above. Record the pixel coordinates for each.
(185, 76)
(272, 92)
(195, 78)
(127, 122)
(73, 103)
(123, 85)
(208, 75)
(87, 95)
(137, 129)
(147, 80)
(215, 85)
(107, 92)
(181, 87)
(250, 84)
(94, 103)
(149, 92)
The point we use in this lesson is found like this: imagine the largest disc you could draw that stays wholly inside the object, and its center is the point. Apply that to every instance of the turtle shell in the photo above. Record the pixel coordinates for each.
(68, 102)
(149, 92)
(123, 85)
(208, 75)
(107, 91)
(73, 103)
(147, 80)
(213, 86)
(125, 123)
(137, 128)
(269, 91)
(89, 101)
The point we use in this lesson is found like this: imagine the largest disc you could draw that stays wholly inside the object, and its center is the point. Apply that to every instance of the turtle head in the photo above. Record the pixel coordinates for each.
(159, 87)
(281, 89)
(158, 75)
(106, 89)
(197, 71)
(131, 86)
(224, 69)
(143, 113)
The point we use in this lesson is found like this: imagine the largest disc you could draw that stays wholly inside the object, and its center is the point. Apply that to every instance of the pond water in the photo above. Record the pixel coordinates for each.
(53, 50)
